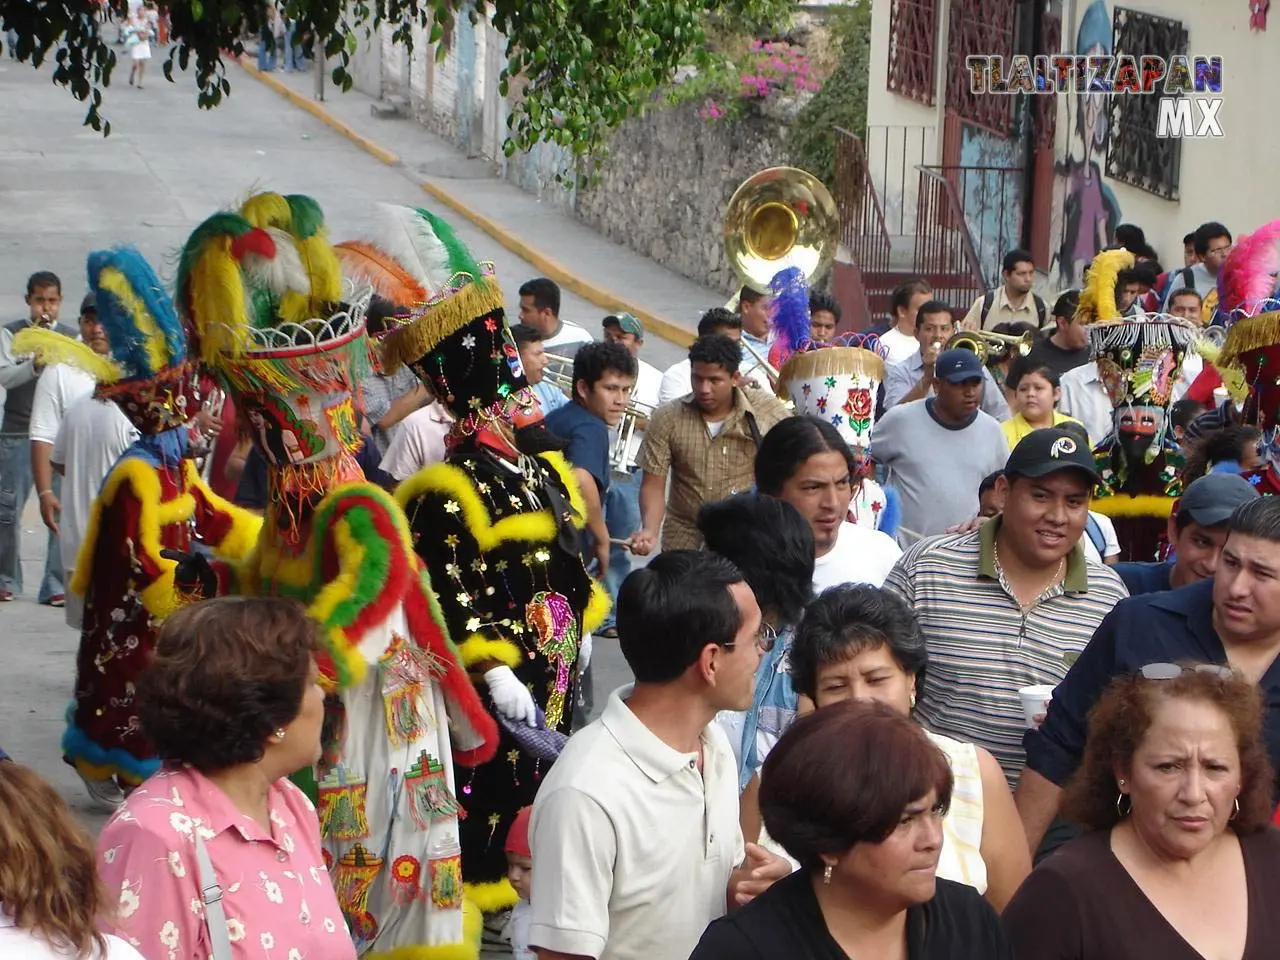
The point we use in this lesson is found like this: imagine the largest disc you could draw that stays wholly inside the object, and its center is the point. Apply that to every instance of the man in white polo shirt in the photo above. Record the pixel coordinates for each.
(635, 836)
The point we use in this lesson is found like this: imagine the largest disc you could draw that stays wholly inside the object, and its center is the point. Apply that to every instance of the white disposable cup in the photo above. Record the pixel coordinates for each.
(1034, 699)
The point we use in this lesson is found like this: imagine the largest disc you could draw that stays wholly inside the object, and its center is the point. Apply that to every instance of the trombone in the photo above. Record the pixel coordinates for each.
(559, 371)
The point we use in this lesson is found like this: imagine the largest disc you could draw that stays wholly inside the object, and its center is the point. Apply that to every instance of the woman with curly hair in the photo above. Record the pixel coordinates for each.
(1179, 862)
(218, 854)
(50, 898)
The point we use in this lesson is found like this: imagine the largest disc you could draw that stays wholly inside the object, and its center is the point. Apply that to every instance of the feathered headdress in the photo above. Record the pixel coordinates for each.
(1247, 280)
(1098, 298)
(788, 313)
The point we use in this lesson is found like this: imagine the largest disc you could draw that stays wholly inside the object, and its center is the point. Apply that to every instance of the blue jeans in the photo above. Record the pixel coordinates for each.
(622, 517)
(267, 52)
(292, 55)
(15, 490)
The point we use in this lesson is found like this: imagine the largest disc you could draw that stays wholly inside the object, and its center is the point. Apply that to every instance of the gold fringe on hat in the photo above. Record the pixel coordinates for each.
(829, 362)
(1098, 298)
(1249, 334)
(50, 347)
(420, 336)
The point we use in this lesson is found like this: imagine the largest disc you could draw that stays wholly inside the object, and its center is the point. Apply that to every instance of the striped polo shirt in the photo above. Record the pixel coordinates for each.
(982, 647)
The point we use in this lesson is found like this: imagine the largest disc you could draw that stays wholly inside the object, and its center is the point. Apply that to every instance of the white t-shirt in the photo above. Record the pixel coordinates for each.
(1085, 398)
(569, 335)
(1111, 543)
(647, 390)
(18, 944)
(59, 388)
(900, 346)
(94, 434)
(860, 555)
(419, 442)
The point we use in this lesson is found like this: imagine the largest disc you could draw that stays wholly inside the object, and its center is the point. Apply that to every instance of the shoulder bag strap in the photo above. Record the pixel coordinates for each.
(753, 427)
(215, 917)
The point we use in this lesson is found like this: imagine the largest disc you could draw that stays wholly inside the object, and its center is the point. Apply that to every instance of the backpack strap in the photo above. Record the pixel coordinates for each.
(1096, 536)
(987, 300)
(1042, 311)
(211, 895)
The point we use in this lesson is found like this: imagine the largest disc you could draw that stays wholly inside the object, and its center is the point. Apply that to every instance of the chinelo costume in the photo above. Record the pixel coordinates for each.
(1138, 360)
(836, 381)
(499, 528)
(287, 340)
(152, 500)
(1249, 309)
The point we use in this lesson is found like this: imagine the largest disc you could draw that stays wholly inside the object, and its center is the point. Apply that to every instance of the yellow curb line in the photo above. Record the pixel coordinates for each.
(589, 291)
(320, 113)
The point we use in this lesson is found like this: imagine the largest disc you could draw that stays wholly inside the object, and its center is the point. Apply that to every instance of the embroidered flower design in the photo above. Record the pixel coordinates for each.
(176, 865)
(169, 935)
(272, 889)
(235, 930)
(128, 901)
(267, 941)
(468, 342)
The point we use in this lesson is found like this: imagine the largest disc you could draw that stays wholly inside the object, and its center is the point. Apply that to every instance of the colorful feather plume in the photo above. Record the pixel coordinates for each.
(139, 318)
(50, 347)
(1098, 298)
(211, 286)
(301, 219)
(279, 271)
(407, 236)
(789, 311)
(369, 264)
(1248, 277)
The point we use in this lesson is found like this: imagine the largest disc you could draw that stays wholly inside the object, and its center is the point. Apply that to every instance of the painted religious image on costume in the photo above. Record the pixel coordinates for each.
(277, 432)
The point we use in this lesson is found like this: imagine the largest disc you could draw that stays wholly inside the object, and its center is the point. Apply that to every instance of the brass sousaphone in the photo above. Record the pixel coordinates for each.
(778, 218)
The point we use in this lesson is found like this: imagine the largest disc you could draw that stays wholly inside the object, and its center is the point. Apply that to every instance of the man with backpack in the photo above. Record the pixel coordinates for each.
(1212, 243)
(1012, 301)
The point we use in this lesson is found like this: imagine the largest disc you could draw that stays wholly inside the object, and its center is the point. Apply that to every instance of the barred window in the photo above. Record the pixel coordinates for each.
(979, 28)
(913, 32)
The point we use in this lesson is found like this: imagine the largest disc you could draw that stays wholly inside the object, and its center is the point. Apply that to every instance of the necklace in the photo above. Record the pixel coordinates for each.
(1008, 588)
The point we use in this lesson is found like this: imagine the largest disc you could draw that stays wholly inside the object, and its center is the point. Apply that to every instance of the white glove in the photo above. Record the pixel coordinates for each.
(584, 653)
(511, 698)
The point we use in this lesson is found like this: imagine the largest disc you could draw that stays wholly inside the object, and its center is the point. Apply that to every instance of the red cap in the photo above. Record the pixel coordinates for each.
(518, 835)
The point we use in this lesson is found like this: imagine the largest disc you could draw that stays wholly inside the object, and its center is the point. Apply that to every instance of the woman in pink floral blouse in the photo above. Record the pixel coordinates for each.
(232, 705)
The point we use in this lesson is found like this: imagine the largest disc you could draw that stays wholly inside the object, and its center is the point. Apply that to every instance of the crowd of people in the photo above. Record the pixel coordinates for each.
(942, 646)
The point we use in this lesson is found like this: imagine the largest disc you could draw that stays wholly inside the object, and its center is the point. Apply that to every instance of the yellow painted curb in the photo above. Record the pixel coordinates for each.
(320, 113)
(589, 291)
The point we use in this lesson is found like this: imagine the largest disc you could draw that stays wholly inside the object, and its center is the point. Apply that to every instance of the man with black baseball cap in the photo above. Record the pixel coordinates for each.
(1197, 531)
(1008, 605)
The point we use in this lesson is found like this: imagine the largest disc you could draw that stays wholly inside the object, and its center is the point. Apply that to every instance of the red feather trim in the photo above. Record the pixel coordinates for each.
(255, 241)
(1249, 274)
(364, 261)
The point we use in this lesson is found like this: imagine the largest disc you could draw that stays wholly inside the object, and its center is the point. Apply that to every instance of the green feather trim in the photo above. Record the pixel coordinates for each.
(460, 258)
(219, 225)
(308, 218)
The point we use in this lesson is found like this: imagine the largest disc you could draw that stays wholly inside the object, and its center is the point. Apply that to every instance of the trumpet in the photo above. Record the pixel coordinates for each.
(991, 348)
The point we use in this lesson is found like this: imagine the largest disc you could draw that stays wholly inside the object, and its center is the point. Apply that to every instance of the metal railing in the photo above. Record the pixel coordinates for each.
(894, 152)
(863, 232)
(944, 248)
(972, 221)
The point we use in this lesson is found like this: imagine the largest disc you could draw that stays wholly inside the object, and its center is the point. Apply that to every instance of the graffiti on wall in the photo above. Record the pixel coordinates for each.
(1089, 210)
(991, 191)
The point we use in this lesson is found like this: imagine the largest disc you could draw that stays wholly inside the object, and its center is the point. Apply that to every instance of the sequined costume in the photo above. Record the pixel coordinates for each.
(292, 354)
(499, 530)
(153, 499)
(1138, 360)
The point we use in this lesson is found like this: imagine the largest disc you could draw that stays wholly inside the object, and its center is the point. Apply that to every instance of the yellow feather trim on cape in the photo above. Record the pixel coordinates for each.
(492, 897)
(468, 949)
(597, 607)
(159, 597)
(420, 337)
(1098, 298)
(478, 648)
(445, 479)
(1124, 507)
(560, 465)
(50, 347)
(154, 342)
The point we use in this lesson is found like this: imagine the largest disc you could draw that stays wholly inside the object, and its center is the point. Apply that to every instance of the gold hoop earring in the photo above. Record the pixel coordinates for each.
(1122, 813)
(826, 874)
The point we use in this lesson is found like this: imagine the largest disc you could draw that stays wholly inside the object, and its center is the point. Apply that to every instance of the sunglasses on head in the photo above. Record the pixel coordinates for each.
(1169, 671)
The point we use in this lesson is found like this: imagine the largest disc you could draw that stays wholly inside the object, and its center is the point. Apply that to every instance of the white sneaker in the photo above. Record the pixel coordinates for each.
(106, 794)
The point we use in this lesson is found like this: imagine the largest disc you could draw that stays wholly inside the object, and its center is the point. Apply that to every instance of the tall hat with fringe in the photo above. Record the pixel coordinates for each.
(148, 373)
(837, 383)
(284, 334)
(459, 344)
(1249, 309)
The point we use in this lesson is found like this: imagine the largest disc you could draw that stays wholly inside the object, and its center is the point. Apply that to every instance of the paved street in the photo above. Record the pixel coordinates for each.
(65, 190)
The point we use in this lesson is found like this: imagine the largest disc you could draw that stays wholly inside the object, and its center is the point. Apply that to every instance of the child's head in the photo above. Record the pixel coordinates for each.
(519, 859)
(990, 498)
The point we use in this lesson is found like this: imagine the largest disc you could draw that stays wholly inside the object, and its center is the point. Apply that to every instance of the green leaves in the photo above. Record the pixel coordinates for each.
(583, 65)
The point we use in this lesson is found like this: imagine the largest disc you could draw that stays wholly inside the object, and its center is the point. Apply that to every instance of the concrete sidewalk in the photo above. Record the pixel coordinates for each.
(575, 256)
